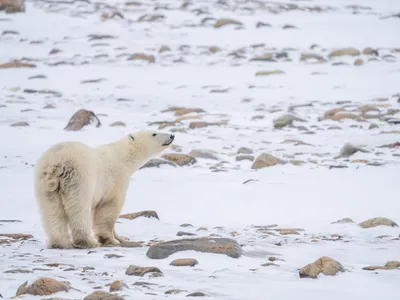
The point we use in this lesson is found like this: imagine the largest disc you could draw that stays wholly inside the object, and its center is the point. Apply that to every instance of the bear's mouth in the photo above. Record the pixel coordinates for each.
(169, 142)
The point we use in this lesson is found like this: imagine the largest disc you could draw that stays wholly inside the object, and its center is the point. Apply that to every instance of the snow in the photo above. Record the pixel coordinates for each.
(310, 196)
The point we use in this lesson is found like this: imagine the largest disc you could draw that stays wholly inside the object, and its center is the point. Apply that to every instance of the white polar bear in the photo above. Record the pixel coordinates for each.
(80, 187)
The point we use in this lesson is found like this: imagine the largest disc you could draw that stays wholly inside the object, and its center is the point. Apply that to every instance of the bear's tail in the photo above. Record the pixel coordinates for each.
(50, 177)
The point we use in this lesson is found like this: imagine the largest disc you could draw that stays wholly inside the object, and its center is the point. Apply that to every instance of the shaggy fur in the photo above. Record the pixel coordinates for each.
(80, 189)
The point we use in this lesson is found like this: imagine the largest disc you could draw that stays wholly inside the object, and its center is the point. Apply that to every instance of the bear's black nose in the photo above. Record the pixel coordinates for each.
(172, 137)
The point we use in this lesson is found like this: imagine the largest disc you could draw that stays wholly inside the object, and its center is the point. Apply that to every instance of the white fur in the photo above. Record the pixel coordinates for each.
(79, 188)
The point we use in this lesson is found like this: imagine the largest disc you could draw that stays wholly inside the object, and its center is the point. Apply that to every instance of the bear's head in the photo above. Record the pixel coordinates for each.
(150, 143)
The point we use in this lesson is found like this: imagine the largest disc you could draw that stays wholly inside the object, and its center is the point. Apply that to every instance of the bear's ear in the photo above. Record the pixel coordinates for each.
(131, 136)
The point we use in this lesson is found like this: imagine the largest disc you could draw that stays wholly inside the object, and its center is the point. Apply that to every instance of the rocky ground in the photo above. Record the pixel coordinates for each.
(281, 182)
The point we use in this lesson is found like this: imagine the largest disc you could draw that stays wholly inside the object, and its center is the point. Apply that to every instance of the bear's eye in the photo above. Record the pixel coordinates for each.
(154, 134)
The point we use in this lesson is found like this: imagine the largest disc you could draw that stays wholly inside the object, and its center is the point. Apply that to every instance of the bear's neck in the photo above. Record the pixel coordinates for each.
(132, 158)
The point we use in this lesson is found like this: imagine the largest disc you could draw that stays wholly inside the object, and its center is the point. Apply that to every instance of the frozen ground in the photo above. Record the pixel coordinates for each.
(211, 193)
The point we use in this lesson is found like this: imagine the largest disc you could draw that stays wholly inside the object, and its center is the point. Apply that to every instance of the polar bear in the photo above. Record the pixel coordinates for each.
(79, 188)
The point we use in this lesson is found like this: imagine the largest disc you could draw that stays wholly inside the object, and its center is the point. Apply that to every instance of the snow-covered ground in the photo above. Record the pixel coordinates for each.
(212, 193)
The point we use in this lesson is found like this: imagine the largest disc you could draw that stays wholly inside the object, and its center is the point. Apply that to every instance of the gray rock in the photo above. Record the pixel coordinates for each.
(286, 120)
(224, 246)
(203, 153)
(157, 162)
(349, 149)
(141, 271)
(244, 150)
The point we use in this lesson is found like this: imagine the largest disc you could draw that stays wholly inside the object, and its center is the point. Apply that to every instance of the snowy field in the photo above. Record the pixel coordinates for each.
(82, 56)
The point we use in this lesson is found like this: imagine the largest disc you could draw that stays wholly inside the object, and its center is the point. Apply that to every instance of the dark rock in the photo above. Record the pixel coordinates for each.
(224, 246)
(141, 271)
(82, 118)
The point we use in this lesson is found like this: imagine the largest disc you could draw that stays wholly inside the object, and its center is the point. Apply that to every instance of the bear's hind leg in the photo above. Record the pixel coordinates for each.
(55, 222)
(80, 219)
(104, 217)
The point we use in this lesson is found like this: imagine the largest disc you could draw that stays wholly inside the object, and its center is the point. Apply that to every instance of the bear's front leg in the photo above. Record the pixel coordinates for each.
(121, 238)
(104, 216)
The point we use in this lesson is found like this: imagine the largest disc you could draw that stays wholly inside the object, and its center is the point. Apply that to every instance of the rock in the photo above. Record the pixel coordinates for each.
(42, 287)
(223, 22)
(343, 221)
(267, 73)
(17, 236)
(102, 295)
(118, 123)
(269, 264)
(151, 17)
(196, 125)
(111, 255)
(224, 246)
(173, 292)
(244, 157)
(373, 126)
(180, 159)
(312, 56)
(183, 118)
(54, 51)
(390, 265)
(144, 213)
(182, 233)
(12, 6)
(142, 56)
(324, 265)
(82, 118)
(330, 113)
(296, 162)
(203, 153)
(180, 111)
(184, 262)
(358, 62)
(156, 163)
(286, 120)
(288, 231)
(130, 244)
(141, 271)
(264, 57)
(118, 285)
(349, 149)
(370, 51)
(197, 294)
(359, 161)
(244, 150)
(184, 111)
(97, 37)
(378, 222)
(20, 124)
(344, 115)
(213, 49)
(164, 48)
(16, 64)
(345, 52)
(18, 271)
(393, 145)
(266, 160)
